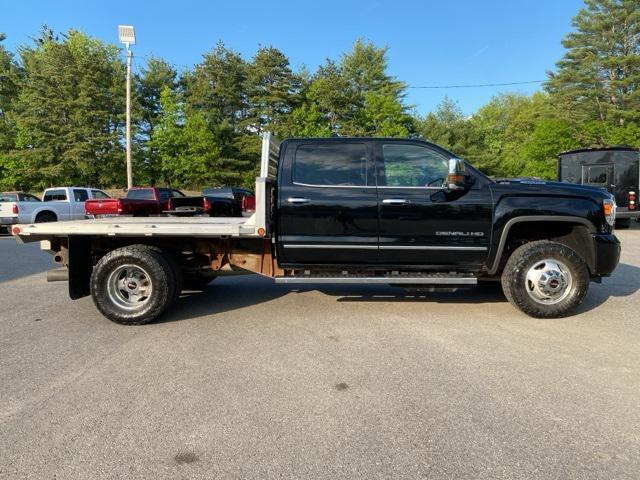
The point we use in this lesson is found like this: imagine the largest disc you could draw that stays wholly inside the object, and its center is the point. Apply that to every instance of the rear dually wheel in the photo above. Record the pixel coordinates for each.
(133, 285)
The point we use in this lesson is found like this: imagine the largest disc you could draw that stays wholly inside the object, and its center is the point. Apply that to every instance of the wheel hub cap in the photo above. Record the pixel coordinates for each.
(129, 287)
(548, 281)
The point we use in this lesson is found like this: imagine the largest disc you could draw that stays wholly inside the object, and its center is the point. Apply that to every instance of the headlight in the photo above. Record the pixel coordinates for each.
(609, 209)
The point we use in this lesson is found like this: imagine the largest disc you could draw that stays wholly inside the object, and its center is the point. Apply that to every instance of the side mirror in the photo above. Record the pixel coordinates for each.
(457, 177)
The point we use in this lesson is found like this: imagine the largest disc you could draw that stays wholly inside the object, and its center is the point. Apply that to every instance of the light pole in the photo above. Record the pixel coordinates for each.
(128, 37)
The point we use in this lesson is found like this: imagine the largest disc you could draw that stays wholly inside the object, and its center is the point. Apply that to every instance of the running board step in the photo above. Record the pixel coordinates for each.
(441, 279)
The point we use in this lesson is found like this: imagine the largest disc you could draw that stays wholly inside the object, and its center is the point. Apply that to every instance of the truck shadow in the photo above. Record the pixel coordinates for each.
(235, 293)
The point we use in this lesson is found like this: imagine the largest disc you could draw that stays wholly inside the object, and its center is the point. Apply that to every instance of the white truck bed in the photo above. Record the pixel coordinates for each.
(257, 225)
(145, 227)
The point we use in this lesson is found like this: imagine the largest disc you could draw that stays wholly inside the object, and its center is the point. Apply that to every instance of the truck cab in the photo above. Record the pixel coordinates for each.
(379, 202)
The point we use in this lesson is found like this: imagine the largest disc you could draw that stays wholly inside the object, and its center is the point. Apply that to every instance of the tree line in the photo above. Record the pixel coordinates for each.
(62, 108)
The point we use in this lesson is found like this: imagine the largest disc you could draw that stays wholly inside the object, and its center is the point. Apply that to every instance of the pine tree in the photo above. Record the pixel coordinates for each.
(69, 113)
(599, 75)
(272, 91)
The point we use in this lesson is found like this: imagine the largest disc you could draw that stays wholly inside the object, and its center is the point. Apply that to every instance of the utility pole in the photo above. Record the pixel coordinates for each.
(128, 37)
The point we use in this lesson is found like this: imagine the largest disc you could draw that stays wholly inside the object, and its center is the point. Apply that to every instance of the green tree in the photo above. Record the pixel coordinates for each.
(69, 113)
(599, 75)
(189, 148)
(364, 70)
(272, 91)
(447, 126)
(153, 78)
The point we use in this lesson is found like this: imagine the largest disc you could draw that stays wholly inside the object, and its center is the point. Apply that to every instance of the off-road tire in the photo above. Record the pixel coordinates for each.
(46, 217)
(175, 271)
(524, 258)
(161, 277)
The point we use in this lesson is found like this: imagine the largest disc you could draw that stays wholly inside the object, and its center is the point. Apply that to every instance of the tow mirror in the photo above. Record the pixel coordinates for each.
(457, 176)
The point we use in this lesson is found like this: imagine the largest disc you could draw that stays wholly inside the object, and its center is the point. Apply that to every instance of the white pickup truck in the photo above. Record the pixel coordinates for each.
(62, 203)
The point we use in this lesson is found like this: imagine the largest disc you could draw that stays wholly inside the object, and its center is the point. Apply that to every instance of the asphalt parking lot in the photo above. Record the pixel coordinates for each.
(255, 380)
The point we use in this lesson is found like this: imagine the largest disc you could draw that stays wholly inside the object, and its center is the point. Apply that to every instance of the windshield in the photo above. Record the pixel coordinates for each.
(8, 197)
(141, 194)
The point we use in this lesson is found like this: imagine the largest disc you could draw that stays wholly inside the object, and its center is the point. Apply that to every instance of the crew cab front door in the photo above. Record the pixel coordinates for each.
(327, 203)
(420, 222)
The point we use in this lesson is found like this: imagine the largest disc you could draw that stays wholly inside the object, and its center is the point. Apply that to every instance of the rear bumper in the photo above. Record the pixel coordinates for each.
(5, 221)
(607, 249)
(626, 213)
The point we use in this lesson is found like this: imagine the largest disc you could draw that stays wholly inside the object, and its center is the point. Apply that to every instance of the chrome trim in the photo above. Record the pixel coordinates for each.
(332, 186)
(361, 186)
(395, 201)
(386, 247)
(329, 245)
(297, 200)
(431, 247)
(382, 280)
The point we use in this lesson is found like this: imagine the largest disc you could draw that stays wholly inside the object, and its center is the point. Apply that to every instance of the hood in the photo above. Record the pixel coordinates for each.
(545, 187)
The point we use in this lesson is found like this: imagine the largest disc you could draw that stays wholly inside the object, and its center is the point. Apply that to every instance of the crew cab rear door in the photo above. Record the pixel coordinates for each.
(327, 203)
(420, 222)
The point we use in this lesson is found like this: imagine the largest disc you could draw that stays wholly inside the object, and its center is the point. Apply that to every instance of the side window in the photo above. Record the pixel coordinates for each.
(99, 194)
(164, 195)
(343, 164)
(55, 195)
(413, 166)
(30, 198)
(80, 195)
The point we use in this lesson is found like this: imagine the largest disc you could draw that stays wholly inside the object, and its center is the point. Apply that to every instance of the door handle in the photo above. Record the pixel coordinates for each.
(395, 201)
(297, 200)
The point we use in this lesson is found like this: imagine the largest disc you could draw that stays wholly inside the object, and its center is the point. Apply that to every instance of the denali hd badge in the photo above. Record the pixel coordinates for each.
(460, 234)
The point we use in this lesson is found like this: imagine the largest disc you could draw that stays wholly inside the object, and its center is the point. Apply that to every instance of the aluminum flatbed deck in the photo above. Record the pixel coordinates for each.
(255, 226)
(145, 227)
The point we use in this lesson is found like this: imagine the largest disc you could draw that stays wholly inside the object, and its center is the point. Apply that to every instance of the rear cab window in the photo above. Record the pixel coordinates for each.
(25, 197)
(331, 164)
(58, 195)
(141, 194)
(80, 195)
(8, 197)
(99, 194)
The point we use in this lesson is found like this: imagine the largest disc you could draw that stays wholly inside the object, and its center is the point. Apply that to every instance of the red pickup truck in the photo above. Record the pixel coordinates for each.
(145, 201)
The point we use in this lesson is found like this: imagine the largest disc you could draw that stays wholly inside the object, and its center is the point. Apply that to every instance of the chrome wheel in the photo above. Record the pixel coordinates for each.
(549, 281)
(129, 287)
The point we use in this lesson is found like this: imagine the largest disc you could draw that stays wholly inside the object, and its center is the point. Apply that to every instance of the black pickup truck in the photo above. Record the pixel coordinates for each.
(353, 210)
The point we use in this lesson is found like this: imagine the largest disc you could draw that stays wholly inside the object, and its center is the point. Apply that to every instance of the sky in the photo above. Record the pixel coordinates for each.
(431, 43)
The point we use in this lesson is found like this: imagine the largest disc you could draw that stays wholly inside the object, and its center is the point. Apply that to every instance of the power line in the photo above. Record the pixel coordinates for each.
(182, 67)
(478, 85)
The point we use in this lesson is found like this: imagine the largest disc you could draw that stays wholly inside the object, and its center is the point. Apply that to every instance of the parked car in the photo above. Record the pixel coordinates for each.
(615, 169)
(151, 201)
(399, 212)
(60, 203)
(243, 200)
(139, 202)
(10, 211)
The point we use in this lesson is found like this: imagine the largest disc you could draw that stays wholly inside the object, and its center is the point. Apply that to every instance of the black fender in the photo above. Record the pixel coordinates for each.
(518, 209)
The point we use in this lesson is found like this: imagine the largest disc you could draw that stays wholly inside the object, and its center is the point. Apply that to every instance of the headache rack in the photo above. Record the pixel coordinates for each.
(258, 225)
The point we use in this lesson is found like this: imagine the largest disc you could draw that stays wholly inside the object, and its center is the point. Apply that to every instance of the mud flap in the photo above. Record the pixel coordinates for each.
(80, 267)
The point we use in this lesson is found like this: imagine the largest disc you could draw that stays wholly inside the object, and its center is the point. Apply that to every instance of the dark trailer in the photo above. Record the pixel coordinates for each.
(616, 169)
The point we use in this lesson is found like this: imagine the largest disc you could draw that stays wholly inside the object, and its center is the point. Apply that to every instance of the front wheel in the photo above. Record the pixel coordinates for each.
(545, 279)
(132, 285)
